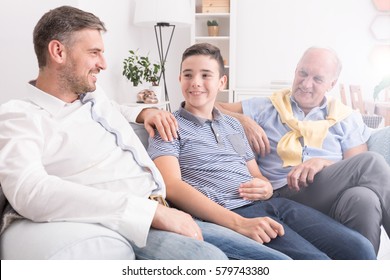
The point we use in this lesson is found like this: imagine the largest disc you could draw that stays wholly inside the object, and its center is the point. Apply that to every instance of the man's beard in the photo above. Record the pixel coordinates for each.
(73, 83)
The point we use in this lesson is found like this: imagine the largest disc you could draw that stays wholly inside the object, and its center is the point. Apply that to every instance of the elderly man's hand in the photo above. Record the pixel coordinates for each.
(303, 174)
(163, 121)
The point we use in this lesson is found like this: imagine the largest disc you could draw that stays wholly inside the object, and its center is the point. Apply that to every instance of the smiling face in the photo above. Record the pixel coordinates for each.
(200, 81)
(83, 62)
(316, 74)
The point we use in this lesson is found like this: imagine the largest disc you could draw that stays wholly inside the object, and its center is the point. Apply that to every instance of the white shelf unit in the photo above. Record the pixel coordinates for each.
(224, 41)
(241, 94)
(160, 105)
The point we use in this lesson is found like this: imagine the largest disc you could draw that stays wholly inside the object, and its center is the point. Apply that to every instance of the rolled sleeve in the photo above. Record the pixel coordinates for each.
(130, 113)
(253, 107)
(355, 131)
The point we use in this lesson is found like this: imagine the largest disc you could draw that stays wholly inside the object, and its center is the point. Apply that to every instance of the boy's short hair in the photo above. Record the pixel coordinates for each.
(208, 50)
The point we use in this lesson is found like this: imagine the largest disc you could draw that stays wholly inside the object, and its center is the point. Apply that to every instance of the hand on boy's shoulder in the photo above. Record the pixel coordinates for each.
(256, 135)
(165, 123)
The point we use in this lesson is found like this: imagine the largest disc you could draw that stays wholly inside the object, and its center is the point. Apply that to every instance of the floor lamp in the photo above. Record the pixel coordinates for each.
(163, 15)
(163, 54)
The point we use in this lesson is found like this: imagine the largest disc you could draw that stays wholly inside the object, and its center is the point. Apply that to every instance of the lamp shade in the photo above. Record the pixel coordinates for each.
(150, 12)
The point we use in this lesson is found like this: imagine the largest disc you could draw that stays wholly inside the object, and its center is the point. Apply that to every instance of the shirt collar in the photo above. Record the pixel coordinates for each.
(323, 107)
(50, 103)
(195, 119)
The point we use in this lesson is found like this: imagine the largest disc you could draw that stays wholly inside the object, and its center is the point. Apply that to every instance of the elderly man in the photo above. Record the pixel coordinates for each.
(317, 153)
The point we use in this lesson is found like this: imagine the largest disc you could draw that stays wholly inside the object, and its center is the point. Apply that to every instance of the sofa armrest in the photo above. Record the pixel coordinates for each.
(380, 142)
(141, 132)
(373, 121)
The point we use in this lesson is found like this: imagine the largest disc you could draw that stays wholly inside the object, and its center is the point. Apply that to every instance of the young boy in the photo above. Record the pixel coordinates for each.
(210, 172)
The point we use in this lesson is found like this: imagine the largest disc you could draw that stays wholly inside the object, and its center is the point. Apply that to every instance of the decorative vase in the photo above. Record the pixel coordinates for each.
(158, 92)
(213, 30)
(136, 91)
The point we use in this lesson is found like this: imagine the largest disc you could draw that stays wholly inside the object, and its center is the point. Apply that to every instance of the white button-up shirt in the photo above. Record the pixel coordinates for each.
(59, 164)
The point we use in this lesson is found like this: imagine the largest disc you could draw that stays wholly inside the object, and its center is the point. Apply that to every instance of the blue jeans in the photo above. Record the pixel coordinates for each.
(219, 243)
(237, 246)
(309, 234)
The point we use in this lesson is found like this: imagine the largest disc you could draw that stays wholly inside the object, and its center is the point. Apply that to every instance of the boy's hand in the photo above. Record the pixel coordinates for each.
(256, 189)
(262, 229)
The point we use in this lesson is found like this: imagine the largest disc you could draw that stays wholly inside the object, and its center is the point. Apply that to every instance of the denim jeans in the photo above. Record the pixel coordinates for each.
(219, 243)
(309, 234)
(237, 246)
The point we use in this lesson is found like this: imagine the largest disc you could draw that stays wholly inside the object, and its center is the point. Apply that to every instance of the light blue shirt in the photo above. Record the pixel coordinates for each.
(341, 137)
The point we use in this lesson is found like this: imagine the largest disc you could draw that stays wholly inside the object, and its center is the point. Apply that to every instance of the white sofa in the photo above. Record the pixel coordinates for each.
(63, 241)
(380, 143)
(91, 241)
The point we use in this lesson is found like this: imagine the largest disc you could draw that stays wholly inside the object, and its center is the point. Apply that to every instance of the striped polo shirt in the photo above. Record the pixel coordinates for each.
(212, 155)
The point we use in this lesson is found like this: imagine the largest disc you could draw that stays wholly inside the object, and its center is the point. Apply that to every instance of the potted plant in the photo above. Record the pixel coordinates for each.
(152, 75)
(384, 84)
(151, 72)
(213, 28)
(138, 69)
(133, 69)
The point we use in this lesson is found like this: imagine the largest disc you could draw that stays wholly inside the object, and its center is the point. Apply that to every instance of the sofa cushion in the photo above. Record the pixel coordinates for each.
(380, 142)
(141, 132)
(28, 240)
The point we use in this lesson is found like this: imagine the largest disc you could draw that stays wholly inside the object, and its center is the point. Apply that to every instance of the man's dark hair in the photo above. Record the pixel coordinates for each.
(60, 24)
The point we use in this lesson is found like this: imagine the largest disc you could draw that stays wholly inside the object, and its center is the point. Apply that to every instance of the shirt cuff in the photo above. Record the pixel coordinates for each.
(137, 220)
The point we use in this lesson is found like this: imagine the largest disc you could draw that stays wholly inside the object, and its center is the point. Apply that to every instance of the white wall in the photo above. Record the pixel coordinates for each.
(17, 57)
(273, 34)
(18, 61)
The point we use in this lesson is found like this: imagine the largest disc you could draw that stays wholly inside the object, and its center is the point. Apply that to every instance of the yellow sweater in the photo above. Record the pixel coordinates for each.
(313, 132)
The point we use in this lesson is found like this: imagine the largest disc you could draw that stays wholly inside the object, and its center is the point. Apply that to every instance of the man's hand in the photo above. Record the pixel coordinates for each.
(173, 220)
(303, 174)
(163, 121)
(256, 189)
(256, 136)
(262, 229)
